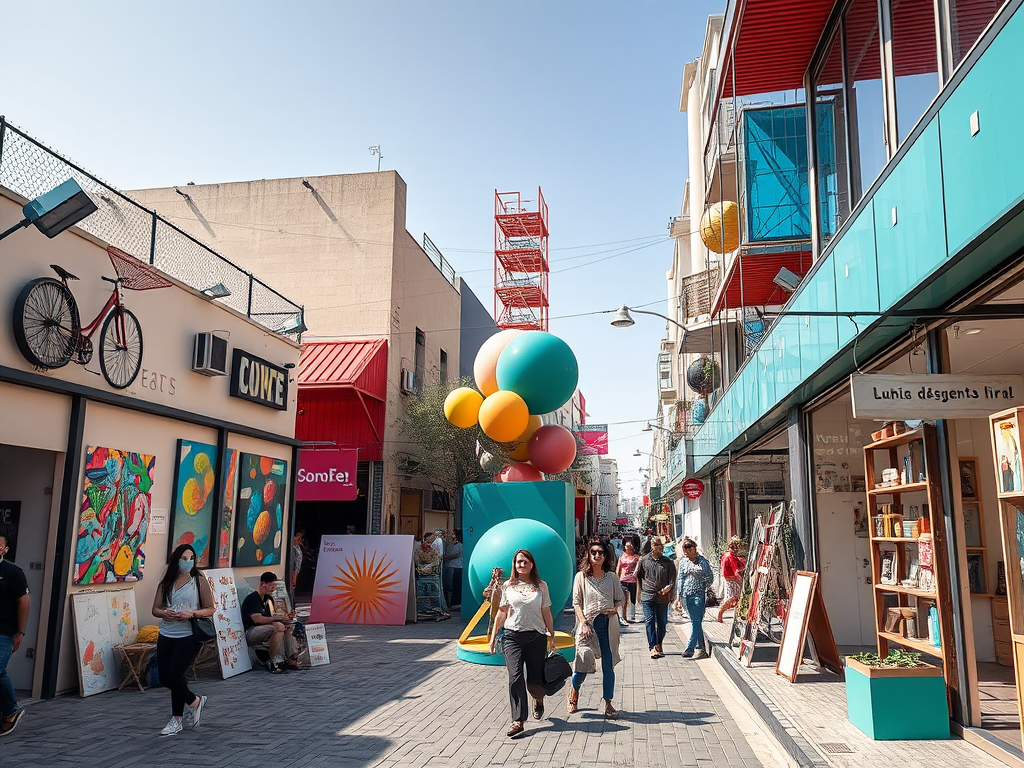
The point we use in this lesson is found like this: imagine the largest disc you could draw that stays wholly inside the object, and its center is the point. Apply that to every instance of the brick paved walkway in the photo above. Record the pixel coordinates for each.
(393, 696)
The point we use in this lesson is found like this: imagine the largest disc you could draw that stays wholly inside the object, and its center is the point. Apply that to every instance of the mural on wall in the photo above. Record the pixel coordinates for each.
(232, 651)
(227, 512)
(114, 515)
(102, 620)
(258, 529)
(193, 503)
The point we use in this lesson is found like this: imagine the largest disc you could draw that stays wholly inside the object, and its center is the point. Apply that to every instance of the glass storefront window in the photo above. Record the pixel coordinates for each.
(968, 19)
(829, 109)
(915, 59)
(867, 102)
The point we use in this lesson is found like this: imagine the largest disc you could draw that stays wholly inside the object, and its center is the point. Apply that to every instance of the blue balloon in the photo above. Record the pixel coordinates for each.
(497, 546)
(540, 368)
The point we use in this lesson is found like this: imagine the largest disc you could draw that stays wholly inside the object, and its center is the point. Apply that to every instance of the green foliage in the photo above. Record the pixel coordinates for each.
(895, 658)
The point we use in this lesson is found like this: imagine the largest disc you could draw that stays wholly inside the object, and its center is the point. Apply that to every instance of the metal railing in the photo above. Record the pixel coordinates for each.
(699, 290)
(28, 168)
(438, 260)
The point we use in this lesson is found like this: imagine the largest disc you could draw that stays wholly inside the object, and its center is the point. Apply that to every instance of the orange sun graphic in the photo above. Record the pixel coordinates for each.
(364, 591)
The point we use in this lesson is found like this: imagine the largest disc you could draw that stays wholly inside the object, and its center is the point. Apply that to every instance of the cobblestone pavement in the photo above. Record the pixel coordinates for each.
(394, 696)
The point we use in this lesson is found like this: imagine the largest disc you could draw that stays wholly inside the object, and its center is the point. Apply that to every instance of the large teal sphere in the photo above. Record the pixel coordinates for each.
(540, 368)
(497, 546)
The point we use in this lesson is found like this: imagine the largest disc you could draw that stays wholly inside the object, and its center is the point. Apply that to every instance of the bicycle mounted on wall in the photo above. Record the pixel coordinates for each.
(49, 332)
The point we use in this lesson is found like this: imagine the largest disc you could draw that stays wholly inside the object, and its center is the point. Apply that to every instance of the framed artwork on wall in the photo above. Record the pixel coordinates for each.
(968, 478)
(976, 573)
(193, 505)
(1006, 441)
(259, 514)
(972, 524)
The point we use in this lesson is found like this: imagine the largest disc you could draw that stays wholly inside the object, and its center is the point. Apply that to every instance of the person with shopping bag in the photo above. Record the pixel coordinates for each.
(596, 598)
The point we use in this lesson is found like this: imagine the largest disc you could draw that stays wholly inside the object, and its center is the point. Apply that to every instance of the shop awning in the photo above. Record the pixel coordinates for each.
(342, 395)
(748, 281)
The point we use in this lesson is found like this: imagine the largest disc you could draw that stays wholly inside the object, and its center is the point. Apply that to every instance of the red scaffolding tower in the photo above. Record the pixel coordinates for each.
(521, 267)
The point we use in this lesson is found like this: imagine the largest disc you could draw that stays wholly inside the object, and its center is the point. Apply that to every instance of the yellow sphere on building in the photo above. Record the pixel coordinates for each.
(720, 227)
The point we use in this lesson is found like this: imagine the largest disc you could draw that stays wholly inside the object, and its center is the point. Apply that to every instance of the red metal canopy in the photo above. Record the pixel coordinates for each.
(342, 395)
(758, 272)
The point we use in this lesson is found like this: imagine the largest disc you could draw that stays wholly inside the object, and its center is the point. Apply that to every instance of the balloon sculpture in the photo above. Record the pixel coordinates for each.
(520, 375)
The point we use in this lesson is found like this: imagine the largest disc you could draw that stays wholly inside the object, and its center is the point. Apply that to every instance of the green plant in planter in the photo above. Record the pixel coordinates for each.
(895, 658)
(878, 692)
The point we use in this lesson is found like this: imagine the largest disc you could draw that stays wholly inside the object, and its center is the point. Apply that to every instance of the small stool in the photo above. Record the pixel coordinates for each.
(135, 657)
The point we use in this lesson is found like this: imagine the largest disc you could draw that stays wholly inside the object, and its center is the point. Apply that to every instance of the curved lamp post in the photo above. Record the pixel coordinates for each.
(623, 319)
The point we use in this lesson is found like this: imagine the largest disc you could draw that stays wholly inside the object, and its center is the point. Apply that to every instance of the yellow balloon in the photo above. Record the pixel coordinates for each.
(462, 406)
(518, 451)
(487, 359)
(504, 416)
(720, 227)
(534, 424)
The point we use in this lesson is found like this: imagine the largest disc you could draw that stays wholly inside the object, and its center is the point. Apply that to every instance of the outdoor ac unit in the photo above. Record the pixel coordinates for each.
(210, 355)
(408, 383)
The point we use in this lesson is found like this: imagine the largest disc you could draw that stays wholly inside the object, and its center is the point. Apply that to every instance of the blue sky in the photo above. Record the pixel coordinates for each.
(580, 98)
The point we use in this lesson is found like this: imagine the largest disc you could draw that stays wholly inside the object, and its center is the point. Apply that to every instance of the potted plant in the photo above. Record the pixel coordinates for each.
(898, 697)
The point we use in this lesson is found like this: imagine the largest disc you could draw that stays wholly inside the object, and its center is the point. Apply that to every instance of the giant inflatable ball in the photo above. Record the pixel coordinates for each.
(503, 416)
(540, 368)
(552, 449)
(496, 548)
(462, 407)
(519, 472)
(487, 359)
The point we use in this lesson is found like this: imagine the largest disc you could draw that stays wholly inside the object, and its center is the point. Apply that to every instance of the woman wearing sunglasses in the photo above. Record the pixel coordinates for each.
(695, 577)
(596, 598)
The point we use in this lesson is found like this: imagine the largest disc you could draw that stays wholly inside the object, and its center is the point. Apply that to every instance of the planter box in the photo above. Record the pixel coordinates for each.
(889, 703)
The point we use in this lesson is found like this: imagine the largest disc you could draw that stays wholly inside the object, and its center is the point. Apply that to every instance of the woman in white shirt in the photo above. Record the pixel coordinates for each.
(525, 615)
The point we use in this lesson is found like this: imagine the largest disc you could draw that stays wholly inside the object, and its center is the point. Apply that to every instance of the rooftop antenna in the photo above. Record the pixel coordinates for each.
(375, 150)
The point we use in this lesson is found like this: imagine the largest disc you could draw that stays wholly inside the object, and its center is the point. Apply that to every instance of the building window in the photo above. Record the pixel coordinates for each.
(830, 121)
(915, 59)
(665, 370)
(776, 174)
(444, 367)
(968, 19)
(421, 359)
(865, 95)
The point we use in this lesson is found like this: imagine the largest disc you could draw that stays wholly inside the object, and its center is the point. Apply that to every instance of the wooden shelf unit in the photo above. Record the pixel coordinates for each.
(889, 452)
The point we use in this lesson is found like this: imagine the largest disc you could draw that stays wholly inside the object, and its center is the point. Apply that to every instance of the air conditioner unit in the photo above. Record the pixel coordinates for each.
(210, 355)
(408, 382)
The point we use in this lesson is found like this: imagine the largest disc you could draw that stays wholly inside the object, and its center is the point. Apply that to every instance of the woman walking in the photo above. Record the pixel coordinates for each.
(596, 598)
(625, 570)
(695, 577)
(732, 574)
(525, 615)
(182, 594)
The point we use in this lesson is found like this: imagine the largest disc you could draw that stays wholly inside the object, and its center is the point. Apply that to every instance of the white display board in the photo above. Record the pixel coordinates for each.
(316, 640)
(791, 650)
(232, 650)
(102, 619)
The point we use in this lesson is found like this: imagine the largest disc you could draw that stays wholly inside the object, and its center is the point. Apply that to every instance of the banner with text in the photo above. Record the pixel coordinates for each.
(595, 439)
(328, 475)
(362, 580)
(895, 397)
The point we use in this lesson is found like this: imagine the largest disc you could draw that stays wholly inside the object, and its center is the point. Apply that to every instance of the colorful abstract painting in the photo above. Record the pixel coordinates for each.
(362, 580)
(260, 512)
(114, 516)
(103, 620)
(232, 651)
(227, 513)
(193, 504)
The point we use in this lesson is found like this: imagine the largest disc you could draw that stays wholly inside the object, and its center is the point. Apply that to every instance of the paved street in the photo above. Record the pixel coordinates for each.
(394, 696)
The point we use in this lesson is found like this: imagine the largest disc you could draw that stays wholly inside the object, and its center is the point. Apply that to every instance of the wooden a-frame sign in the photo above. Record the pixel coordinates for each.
(807, 624)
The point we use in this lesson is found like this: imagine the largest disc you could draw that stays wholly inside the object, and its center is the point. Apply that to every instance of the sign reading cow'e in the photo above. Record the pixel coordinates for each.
(256, 380)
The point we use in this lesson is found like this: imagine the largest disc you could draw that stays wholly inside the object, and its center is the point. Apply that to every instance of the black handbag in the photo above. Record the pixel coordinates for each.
(203, 629)
(556, 672)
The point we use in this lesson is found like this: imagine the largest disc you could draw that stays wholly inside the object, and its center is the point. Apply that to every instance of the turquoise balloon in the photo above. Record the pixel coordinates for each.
(497, 546)
(540, 368)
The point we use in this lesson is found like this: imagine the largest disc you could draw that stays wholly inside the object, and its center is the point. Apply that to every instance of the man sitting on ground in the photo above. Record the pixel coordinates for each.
(263, 625)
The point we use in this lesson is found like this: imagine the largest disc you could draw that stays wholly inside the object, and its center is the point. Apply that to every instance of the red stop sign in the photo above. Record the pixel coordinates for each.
(693, 488)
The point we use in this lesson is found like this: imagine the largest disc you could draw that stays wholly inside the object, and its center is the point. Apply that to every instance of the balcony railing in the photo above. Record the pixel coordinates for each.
(699, 290)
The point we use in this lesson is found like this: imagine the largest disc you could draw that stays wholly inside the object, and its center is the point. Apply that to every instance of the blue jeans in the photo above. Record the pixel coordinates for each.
(695, 608)
(607, 663)
(656, 622)
(8, 703)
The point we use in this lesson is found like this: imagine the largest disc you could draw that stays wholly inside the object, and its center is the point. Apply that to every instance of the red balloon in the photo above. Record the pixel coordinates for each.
(518, 472)
(552, 449)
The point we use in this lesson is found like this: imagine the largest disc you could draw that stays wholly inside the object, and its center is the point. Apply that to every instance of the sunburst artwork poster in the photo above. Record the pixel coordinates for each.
(362, 580)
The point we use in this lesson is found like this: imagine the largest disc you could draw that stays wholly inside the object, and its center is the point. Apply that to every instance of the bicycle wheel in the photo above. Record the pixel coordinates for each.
(120, 358)
(46, 323)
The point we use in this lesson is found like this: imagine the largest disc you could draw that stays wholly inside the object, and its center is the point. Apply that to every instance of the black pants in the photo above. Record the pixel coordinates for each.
(524, 649)
(174, 655)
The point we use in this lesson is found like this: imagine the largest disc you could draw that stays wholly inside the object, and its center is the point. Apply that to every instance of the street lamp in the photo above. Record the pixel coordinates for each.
(648, 427)
(622, 318)
(642, 453)
(54, 211)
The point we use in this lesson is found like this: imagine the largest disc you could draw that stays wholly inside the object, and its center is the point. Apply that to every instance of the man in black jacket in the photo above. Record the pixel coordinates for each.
(14, 602)
(656, 578)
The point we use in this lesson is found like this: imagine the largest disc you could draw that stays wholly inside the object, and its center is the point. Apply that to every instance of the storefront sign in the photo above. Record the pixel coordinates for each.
(256, 380)
(693, 488)
(327, 475)
(897, 397)
(595, 439)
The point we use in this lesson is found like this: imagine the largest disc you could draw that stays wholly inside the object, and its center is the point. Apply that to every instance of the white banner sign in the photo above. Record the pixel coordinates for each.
(232, 650)
(316, 640)
(896, 397)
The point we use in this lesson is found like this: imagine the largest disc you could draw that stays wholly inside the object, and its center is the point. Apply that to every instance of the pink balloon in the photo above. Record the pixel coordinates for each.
(552, 449)
(518, 472)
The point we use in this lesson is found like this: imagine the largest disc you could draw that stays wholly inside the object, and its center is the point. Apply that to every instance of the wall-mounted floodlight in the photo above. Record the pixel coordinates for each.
(786, 280)
(294, 324)
(218, 291)
(56, 210)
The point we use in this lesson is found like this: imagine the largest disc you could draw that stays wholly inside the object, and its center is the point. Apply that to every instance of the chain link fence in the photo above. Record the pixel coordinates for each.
(30, 169)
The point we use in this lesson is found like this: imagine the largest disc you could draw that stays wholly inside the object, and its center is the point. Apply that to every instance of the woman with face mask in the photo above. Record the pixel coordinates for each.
(182, 593)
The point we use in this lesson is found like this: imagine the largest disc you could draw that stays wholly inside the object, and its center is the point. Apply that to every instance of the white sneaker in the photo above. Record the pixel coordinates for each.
(173, 726)
(623, 623)
(197, 713)
(188, 720)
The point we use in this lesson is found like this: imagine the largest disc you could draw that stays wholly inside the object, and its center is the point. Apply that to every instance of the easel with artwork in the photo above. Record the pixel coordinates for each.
(807, 626)
(769, 567)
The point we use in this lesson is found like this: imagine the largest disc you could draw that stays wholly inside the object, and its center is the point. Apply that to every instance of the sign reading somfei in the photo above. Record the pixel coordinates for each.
(885, 397)
(255, 379)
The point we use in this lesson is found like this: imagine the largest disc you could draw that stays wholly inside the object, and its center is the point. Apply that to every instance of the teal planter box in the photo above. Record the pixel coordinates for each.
(897, 703)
